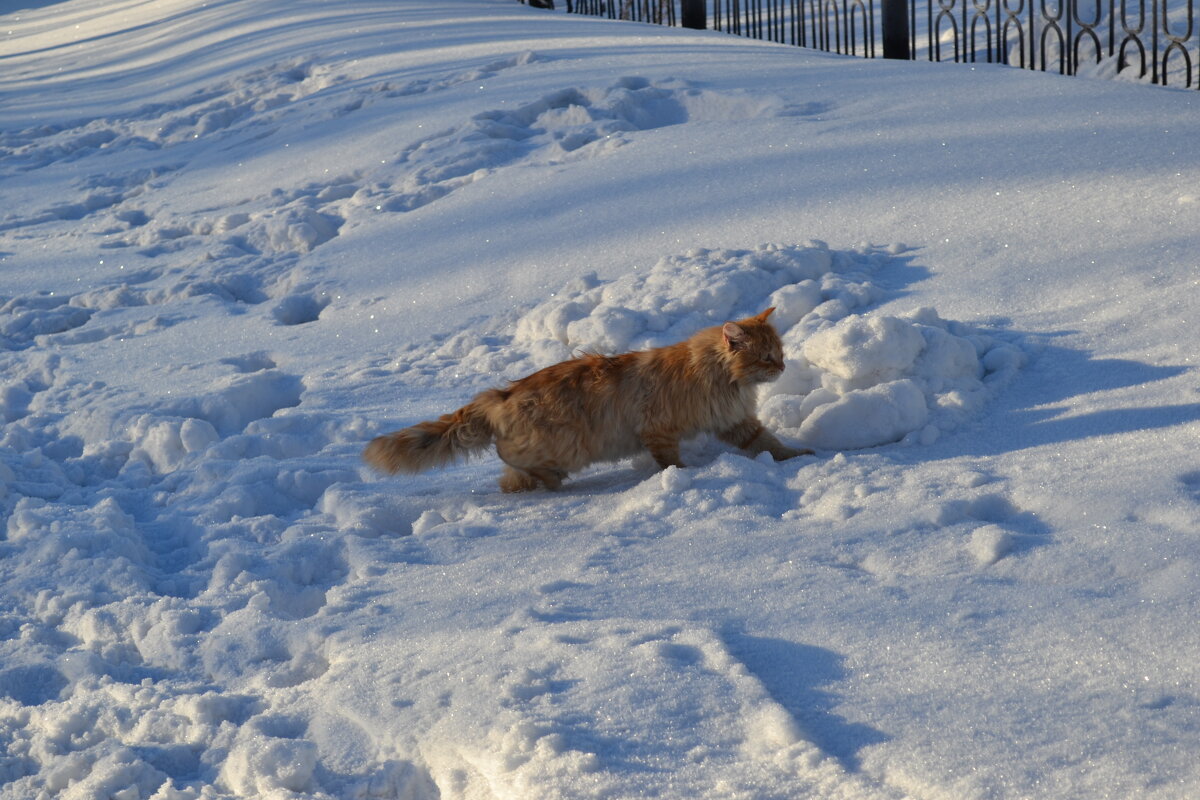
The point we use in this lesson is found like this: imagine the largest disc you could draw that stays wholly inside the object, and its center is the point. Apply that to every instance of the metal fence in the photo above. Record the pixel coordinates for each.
(660, 12)
(1154, 40)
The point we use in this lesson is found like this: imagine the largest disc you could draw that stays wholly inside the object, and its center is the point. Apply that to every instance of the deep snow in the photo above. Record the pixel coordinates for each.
(237, 240)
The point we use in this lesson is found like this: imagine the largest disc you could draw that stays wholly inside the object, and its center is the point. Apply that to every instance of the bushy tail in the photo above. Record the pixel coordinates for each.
(435, 443)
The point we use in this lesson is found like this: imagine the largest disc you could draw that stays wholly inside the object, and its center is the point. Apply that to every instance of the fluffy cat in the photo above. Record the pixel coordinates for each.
(602, 408)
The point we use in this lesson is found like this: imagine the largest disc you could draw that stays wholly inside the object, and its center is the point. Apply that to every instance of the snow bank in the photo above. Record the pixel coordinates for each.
(681, 294)
(853, 380)
(875, 380)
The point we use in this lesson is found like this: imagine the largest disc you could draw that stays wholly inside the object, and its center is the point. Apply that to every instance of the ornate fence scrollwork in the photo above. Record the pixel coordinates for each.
(1155, 40)
(1177, 43)
(940, 25)
(860, 18)
(838, 26)
(1053, 22)
(1012, 32)
(659, 12)
(1132, 36)
(977, 27)
(1087, 32)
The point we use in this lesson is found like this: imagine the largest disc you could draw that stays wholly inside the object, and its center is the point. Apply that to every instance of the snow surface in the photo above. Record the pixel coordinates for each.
(237, 240)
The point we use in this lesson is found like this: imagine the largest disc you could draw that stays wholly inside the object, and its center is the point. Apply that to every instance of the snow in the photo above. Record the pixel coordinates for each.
(239, 240)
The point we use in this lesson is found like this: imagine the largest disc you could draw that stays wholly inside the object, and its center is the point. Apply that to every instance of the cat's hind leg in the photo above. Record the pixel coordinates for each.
(526, 467)
(550, 477)
(664, 447)
(515, 479)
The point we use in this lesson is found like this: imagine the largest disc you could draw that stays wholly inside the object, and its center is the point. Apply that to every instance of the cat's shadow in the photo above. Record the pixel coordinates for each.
(615, 477)
(608, 478)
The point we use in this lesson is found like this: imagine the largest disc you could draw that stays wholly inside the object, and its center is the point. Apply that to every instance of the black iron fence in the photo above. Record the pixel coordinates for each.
(1154, 40)
(661, 12)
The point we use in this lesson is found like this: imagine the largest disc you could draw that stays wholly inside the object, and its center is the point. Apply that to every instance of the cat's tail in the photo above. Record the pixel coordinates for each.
(438, 442)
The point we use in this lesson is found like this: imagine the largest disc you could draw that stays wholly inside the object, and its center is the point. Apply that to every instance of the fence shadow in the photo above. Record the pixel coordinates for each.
(796, 676)
(1039, 411)
(18, 6)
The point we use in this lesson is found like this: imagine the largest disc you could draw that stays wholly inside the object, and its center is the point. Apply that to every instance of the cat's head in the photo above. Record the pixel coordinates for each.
(753, 349)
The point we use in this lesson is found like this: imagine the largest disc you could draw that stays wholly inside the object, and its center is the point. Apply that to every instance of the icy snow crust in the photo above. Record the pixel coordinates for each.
(340, 221)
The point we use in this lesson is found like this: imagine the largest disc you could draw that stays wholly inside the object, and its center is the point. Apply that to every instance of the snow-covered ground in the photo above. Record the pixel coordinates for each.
(239, 239)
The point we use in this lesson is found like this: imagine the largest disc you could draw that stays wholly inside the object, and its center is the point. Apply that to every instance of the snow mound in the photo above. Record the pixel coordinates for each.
(867, 381)
(853, 380)
(164, 444)
(681, 294)
(240, 399)
(261, 762)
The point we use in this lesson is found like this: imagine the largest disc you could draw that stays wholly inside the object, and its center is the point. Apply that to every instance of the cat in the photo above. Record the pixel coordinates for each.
(602, 408)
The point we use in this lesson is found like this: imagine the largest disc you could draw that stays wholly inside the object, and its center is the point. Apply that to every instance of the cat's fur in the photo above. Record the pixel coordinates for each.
(601, 408)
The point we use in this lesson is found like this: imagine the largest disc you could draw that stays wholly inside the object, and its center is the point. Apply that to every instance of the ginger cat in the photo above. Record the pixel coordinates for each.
(602, 408)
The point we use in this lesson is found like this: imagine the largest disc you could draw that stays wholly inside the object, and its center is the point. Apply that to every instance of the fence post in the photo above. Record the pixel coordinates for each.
(693, 15)
(894, 16)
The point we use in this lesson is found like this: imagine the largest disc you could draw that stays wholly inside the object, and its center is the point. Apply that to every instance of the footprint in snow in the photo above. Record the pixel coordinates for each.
(571, 123)
(424, 85)
(301, 308)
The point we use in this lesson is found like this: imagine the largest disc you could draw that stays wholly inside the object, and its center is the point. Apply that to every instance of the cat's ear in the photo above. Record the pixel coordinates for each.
(763, 316)
(735, 337)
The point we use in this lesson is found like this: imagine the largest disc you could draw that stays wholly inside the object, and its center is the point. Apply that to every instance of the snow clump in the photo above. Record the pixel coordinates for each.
(867, 381)
(681, 294)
